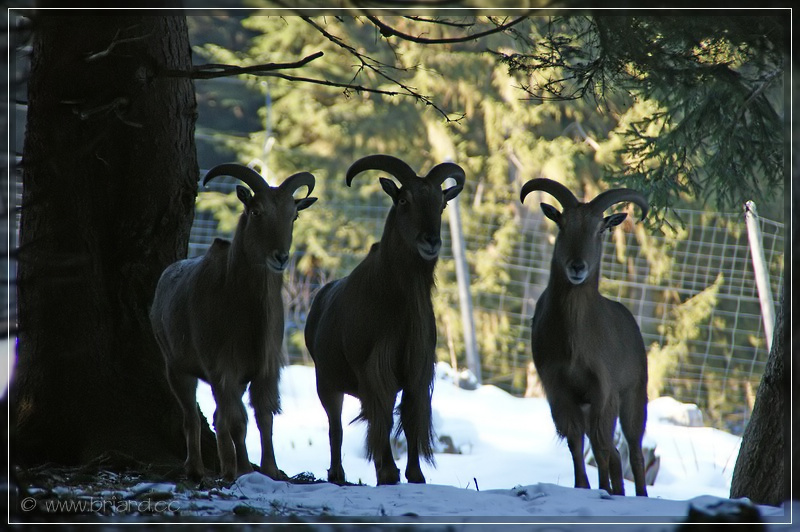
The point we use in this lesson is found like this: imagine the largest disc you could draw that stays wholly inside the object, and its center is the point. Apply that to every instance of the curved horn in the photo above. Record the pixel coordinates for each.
(247, 175)
(610, 197)
(300, 179)
(387, 163)
(564, 196)
(442, 171)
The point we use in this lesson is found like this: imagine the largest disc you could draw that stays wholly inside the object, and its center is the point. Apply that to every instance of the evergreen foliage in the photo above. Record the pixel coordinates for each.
(716, 129)
(685, 110)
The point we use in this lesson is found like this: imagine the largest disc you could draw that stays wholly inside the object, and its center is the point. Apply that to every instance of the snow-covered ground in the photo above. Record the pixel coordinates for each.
(512, 464)
(512, 467)
(505, 440)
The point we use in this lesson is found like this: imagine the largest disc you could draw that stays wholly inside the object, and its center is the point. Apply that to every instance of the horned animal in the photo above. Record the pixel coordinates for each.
(372, 333)
(219, 317)
(588, 350)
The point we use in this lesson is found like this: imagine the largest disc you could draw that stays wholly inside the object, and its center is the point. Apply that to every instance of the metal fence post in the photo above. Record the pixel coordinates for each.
(464, 296)
(760, 270)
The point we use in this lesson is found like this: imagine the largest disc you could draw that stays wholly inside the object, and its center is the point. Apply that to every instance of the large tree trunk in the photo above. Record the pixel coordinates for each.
(762, 467)
(110, 177)
(762, 472)
(795, 371)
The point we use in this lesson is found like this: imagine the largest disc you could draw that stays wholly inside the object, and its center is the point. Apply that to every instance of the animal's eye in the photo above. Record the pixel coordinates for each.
(255, 212)
(402, 201)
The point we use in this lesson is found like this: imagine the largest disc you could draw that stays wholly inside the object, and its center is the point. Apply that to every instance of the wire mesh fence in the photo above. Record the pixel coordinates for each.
(701, 313)
(697, 304)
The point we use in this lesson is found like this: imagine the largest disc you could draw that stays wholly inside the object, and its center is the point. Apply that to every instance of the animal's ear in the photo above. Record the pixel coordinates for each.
(613, 220)
(552, 213)
(304, 203)
(244, 195)
(452, 192)
(390, 188)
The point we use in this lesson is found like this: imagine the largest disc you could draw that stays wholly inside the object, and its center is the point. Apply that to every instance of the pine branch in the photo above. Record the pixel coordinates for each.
(364, 59)
(212, 71)
(411, 3)
(416, 18)
(388, 31)
(377, 67)
(328, 83)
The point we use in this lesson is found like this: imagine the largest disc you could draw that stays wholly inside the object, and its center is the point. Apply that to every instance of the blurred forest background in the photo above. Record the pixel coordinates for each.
(686, 273)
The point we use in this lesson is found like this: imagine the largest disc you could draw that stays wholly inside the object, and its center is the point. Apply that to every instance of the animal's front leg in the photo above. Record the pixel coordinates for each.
(415, 417)
(230, 421)
(378, 412)
(575, 444)
(601, 435)
(569, 420)
(377, 404)
(238, 435)
(385, 467)
(413, 469)
(266, 403)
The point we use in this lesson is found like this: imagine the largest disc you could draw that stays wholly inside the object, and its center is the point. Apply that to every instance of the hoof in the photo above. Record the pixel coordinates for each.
(194, 473)
(244, 470)
(336, 475)
(414, 475)
(277, 474)
(388, 475)
(228, 476)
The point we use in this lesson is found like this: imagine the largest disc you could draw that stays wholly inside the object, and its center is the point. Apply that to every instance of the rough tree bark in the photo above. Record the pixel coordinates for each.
(762, 470)
(794, 209)
(109, 180)
(764, 467)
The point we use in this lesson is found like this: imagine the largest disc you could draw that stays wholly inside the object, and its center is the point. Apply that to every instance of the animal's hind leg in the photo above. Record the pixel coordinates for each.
(615, 469)
(332, 403)
(632, 418)
(415, 420)
(184, 387)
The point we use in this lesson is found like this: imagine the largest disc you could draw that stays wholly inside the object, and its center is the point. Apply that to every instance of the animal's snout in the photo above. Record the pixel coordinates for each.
(577, 271)
(428, 246)
(278, 261)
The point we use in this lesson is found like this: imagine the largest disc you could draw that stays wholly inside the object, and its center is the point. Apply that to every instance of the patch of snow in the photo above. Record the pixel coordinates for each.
(671, 411)
(147, 487)
(512, 463)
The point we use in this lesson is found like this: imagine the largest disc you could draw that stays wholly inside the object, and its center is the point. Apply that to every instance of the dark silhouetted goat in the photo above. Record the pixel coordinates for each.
(373, 333)
(587, 349)
(219, 317)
